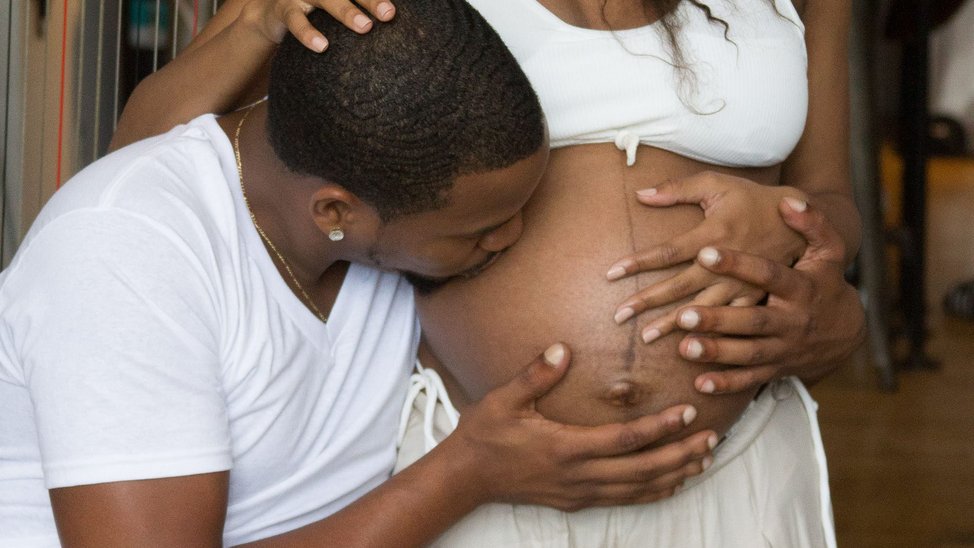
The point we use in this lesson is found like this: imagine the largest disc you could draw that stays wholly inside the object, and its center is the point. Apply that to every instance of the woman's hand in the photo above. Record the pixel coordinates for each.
(813, 319)
(273, 18)
(230, 54)
(738, 214)
(517, 455)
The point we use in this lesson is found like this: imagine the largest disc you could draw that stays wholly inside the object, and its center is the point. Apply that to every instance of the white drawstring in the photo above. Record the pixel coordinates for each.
(629, 142)
(426, 380)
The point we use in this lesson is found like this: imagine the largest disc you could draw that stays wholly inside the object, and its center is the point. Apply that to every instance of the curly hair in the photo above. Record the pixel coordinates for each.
(394, 116)
(670, 23)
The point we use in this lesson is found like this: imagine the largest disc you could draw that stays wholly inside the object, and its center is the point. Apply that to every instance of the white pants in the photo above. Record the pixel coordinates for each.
(768, 486)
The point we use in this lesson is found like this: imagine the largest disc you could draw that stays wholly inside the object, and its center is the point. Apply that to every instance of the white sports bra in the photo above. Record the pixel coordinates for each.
(743, 106)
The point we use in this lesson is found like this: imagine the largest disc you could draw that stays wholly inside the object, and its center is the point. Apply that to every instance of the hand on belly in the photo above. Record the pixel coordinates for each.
(552, 286)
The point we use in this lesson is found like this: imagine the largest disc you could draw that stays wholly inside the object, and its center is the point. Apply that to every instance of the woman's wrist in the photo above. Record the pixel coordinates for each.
(251, 28)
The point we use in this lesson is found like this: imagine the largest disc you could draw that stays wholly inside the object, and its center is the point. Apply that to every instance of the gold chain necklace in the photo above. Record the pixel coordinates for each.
(270, 244)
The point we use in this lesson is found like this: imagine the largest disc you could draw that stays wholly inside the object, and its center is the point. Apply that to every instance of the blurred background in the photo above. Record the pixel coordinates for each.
(897, 421)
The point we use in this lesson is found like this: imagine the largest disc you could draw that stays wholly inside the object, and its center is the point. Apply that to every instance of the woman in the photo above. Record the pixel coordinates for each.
(705, 105)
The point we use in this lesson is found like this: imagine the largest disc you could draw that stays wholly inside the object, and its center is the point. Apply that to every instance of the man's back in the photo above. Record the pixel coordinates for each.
(144, 300)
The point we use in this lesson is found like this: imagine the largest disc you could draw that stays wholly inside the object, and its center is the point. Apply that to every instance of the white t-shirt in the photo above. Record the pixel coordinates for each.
(145, 333)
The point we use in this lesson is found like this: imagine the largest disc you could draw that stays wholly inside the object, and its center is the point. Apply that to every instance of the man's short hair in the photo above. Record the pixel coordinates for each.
(395, 115)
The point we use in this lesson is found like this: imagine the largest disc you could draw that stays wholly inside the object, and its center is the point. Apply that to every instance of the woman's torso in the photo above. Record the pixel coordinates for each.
(552, 285)
(734, 98)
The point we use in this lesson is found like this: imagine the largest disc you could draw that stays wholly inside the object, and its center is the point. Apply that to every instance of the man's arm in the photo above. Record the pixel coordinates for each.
(503, 450)
(181, 511)
(794, 338)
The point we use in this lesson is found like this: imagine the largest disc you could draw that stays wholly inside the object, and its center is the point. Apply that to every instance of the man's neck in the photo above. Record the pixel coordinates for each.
(280, 201)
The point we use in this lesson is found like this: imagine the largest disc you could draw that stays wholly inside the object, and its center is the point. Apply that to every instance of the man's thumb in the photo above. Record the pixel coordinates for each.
(538, 377)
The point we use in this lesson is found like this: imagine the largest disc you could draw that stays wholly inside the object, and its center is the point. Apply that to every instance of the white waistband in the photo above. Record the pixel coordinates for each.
(740, 436)
(428, 381)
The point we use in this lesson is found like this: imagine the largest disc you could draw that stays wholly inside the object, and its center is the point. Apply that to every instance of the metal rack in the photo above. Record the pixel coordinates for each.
(69, 66)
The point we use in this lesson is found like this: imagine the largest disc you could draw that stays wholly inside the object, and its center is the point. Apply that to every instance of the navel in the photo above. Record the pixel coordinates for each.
(623, 394)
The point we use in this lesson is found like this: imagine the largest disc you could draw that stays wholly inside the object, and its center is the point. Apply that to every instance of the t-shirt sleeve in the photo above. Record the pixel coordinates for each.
(115, 321)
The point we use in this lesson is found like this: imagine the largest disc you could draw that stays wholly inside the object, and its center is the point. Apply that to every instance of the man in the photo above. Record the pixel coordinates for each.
(188, 359)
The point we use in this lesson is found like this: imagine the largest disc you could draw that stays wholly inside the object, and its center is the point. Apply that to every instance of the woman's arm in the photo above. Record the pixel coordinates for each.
(819, 165)
(225, 66)
(502, 450)
(743, 215)
(816, 171)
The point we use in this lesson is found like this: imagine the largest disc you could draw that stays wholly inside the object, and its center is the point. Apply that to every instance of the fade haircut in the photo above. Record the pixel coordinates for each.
(396, 115)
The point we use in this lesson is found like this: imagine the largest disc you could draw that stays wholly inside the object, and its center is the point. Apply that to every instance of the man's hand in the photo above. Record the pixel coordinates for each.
(516, 455)
(273, 18)
(502, 450)
(813, 319)
(738, 214)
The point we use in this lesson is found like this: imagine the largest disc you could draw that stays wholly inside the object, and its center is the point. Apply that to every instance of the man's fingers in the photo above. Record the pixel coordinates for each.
(732, 351)
(611, 440)
(824, 242)
(733, 320)
(641, 476)
(535, 380)
(735, 380)
(773, 278)
(715, 295)
(659, 485)
(644, 467)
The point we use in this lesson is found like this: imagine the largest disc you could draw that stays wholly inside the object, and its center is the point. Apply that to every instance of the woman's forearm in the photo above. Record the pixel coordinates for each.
(819, 166)
(220, 71)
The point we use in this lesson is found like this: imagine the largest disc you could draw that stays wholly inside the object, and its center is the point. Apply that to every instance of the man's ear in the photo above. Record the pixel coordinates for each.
(334, 207)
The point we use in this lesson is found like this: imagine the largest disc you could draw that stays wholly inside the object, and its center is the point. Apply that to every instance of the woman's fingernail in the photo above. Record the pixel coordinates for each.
(624, 314)
(689, 319)
(384, 9)
(647, 192)
(554, 354)
(651, 335)
(796, 204)
(616, 272)
(707, 462)
(362, 21)
(708, 256)
(712, 441)
(689, 414)
(694, 349)
(708, 387)
(319, 44)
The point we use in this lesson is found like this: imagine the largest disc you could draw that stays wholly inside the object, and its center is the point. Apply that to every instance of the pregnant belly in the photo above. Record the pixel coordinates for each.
(551, 287)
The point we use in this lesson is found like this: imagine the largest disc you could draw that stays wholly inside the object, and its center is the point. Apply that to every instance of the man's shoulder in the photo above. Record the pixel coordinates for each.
(169, 178)
(185, 156)
(167, 191)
